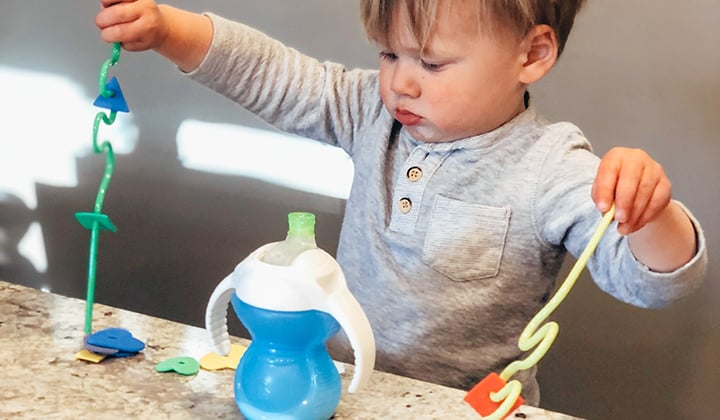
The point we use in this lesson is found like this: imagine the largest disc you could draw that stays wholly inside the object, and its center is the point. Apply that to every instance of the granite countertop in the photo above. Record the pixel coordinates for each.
(40, 333)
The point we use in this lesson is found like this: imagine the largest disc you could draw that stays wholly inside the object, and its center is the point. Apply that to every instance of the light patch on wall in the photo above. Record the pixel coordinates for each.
(274, 157)
(47, 124)
(32, 247)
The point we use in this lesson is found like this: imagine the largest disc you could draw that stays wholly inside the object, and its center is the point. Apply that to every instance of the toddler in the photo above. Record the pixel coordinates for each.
(465, 200)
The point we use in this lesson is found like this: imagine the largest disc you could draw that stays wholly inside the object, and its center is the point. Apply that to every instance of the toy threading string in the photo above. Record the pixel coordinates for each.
(98, 219)
(543, 336)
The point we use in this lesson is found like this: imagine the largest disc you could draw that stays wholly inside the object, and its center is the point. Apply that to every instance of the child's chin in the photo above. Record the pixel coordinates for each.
(423, 134)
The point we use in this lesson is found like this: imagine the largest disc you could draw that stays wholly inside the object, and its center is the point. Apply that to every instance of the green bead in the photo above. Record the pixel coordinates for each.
(182, 365)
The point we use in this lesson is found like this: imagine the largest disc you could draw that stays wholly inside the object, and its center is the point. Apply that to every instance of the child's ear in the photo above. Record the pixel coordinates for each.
(540, 51)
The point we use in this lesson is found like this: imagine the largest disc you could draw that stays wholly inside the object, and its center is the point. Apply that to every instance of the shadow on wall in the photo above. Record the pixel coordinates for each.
(15, 220)
(179, 233)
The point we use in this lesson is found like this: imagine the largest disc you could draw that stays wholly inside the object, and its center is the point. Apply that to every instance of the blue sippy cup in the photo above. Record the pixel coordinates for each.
(292, 297)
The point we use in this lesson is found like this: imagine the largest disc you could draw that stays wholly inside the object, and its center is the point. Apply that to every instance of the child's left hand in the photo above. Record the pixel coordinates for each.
(637, 185)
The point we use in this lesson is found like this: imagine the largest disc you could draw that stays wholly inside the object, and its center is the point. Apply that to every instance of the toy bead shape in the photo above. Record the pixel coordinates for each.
(114, 102)
(290, 307)
(117, 342)
(214, 361)
(184, 365)
(90, 356)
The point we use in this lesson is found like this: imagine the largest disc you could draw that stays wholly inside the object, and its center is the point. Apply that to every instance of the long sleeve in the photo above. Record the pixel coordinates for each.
(568, 217)
(287, 89)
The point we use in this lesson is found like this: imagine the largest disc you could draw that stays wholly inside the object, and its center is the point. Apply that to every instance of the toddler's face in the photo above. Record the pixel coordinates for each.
(465, 82)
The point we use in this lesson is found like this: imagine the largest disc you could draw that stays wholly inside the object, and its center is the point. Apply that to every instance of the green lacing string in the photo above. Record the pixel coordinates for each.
(102, 80)
(104, 147)
(537, 336)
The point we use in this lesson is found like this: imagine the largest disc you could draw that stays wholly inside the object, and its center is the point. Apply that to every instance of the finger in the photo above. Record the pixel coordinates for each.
(643, 194)
(653, 184)
(660, 199)
(603, 189)
(629, 178)
(128, 35)
(119, 25)
(633, 220)
(109, 3)
(117, 15)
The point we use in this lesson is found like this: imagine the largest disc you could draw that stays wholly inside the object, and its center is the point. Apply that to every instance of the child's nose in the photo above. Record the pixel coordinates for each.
(403, 82)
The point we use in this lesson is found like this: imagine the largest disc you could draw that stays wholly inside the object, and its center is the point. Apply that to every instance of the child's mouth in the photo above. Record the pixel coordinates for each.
(406, 117)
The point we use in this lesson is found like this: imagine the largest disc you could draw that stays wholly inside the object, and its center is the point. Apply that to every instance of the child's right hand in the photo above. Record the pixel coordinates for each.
(137, 24)
(182, 37)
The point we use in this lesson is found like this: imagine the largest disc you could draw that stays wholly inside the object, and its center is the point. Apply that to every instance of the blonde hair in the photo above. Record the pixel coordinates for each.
(517, 15)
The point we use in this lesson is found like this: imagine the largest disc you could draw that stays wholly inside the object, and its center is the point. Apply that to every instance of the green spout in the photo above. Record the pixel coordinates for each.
(301, 225)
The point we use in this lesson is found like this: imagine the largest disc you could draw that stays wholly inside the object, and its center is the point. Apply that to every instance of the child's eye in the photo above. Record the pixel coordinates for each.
(389, 56)
(431, 66)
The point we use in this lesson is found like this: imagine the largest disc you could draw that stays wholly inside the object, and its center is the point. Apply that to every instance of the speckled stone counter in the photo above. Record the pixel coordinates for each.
(41, 332)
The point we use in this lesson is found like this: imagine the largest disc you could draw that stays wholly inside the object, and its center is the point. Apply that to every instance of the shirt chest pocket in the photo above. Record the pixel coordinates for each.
(465, 241)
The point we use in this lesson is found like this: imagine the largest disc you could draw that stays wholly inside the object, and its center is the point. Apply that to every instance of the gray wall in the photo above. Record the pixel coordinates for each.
(642, 74)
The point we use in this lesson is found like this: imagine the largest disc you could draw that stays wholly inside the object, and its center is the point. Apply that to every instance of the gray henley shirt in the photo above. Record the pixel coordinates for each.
(451, 248)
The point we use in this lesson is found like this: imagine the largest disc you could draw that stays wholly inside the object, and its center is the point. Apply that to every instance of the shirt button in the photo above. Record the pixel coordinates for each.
(414, 173)
(405, 205)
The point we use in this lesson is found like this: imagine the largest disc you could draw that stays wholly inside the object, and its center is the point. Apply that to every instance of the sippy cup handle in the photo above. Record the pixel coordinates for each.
(216, 316)
(330, 293)
(348, 313)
